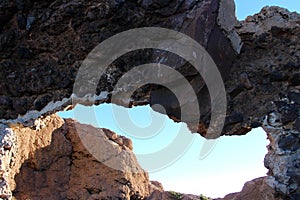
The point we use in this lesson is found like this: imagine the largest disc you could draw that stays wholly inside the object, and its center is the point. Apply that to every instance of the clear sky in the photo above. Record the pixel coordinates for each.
(233, 161)
(245, 8)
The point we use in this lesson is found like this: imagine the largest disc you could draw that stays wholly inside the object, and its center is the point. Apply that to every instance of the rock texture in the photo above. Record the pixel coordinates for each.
(157, 192)
(50, 161)
(271, 60)
(255, 189)
(43, 43)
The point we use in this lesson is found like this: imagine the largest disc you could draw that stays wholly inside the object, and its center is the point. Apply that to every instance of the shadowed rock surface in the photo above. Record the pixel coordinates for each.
(271, 59)
(42, 45)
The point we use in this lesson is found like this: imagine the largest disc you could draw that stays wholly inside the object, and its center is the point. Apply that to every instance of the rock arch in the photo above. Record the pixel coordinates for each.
(43, 43)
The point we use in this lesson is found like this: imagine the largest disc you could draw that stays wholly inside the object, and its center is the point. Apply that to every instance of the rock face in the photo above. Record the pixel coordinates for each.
(43, 44)
(271, 60)
(51, 162)
(255, 189)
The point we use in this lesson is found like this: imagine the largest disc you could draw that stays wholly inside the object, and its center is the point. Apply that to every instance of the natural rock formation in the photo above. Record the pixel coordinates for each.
(271, 60)
(43, 44)
(50, 161)
(157, 192)
(255, 189)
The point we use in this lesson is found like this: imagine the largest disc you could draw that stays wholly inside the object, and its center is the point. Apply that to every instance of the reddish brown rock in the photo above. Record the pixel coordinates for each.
(42, 45)
(256, 189)
(51, 162)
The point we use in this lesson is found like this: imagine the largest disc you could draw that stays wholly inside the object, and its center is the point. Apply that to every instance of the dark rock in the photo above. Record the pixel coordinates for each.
(48, 80)
(295, 196)
(23, 5)
(155, 3)
(255, 124)
(295, 97)
(7, 39)
(21, 105)
(22, 20)
(277, 76)
(42, 101)
(295, 174)
(66, 31)
(292, 65)
(20, 4)
(23, 53)
(234, 118)
(277, 31)
(297, 124)
(7, 10)
(166, 99)
(244, 79)
(289, 142)
(295, 80)
(65, 82)
(289, 112)
(5, 101)
(289, 115)
(236, 90)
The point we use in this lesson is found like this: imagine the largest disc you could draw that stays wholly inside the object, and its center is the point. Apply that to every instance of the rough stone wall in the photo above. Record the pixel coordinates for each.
(42, 43)
(39, 63)
(267, 92)
(50, 162)
(265, 76)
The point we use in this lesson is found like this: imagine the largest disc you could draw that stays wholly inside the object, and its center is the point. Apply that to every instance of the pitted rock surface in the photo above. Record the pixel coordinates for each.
(43, 43)
(39, 62)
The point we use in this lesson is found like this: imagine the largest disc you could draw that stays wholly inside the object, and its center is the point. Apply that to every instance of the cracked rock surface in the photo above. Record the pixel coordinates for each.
(39, 62)
(43, 43)
(51, 162)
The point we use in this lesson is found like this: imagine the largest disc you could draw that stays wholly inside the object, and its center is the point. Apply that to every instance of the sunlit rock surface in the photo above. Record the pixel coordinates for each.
(51, 162)
(255, 189)
(42, 45)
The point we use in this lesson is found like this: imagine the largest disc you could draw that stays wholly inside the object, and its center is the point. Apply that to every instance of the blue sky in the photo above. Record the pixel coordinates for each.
(233, 161)
(245, 8)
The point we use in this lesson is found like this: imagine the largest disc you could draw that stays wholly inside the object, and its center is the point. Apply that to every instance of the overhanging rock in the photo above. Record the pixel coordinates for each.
(43, 44)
